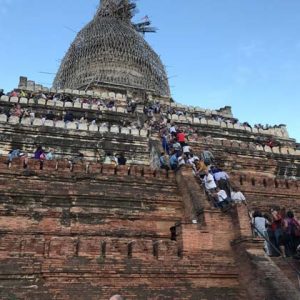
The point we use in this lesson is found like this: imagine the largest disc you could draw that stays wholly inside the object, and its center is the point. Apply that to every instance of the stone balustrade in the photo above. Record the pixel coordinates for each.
(61, 104)
(205, 121)
(247, 146)
(102, 128)
(33, 87)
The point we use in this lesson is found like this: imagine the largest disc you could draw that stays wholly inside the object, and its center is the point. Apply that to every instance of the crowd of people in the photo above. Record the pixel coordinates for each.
(63, 97)
(281, 231)
(267, 126)
(41, 155)
(152, 124)
(177, 152)
(157, 115)
(66, 116)
(167, 111)
(153, 107)
(159, 118)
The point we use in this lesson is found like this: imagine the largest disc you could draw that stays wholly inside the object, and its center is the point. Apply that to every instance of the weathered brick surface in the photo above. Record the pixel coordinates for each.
(80, 237)
(101, 229)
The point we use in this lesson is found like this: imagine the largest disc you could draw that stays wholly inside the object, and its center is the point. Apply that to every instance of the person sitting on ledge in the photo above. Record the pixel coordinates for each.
(1, 92)
(121, 159)
(164, 161)
(110, 159)
(23, 94)
(39, 152)
(111, 104)
(14, 154)
(16, 111)
(68, 117)
(107, 160)
(50, 154)
(14, 94)
(79, 157)
(50, 115)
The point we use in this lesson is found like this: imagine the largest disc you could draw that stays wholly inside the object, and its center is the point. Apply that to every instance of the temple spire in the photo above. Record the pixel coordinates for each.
(121, 9)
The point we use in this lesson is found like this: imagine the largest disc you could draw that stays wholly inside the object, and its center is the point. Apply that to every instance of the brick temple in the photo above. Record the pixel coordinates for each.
(93, 229)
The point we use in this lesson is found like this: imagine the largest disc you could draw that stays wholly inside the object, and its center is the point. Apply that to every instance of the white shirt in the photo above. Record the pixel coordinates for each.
(238, 196)
(186, 149)
(259, 225)
(191, 161)
(209, 182)
(222, 195)
(194, 158)
(172, 129)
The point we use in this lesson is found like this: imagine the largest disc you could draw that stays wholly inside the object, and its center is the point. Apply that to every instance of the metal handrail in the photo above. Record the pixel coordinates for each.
(274, 247)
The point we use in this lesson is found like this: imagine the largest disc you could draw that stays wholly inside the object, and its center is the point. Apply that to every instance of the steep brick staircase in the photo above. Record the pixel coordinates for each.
(99, 229)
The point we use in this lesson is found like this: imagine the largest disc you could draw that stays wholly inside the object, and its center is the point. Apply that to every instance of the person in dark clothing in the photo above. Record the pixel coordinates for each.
(38, 152)
(121, 160)
(78, 158)
(68, 117)
(50, 116)
(291, 228)
(6, 111)
(1, 92)
(164, 161)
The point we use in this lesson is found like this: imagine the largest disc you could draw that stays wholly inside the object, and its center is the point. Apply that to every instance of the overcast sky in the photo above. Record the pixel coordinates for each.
(241, 53)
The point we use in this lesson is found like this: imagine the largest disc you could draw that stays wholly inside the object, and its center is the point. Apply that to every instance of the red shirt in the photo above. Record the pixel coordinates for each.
(180, 137)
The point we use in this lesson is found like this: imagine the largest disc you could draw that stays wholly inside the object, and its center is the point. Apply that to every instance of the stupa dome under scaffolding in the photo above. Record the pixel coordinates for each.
(110, 50)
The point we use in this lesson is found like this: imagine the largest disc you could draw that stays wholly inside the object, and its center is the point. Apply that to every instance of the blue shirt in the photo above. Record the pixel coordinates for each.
(173, 160)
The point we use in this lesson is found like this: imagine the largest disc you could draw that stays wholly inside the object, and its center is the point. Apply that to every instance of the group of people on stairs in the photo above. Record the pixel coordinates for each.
(281, 231)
